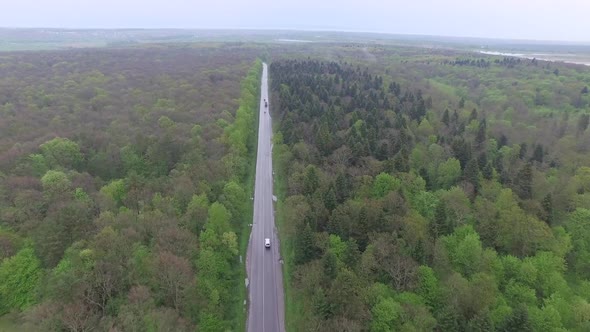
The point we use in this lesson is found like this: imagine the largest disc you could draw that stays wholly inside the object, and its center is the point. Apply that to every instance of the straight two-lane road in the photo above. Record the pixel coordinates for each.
(266, 305)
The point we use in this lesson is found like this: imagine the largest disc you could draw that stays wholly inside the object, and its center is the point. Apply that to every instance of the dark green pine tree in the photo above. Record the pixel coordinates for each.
(473, 115)
(424, 175)
(419, 252)
(323, 138)
(488, 171)
(519, 320)
(445, 118)
(352, 254)
(382, 151)
(524, 182)
(287, 128)
(330, 199)
(439, 225)
(342, 188)
(460, 128)
(502, 141)
(480, 138)
(311, 181)
(304, 246)
(362, 229)
(389, 165)
(402, 161)
(330, 265)
(447, 320)
(481, 322)
(538, 154)
(455, 117)
(547, 205)
(523, 150)
(461, 151)
(321, 305)
(482, 160)
(471, 174)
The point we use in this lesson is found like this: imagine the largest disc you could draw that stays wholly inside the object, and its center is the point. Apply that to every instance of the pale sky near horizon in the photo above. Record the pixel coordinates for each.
(565, 20)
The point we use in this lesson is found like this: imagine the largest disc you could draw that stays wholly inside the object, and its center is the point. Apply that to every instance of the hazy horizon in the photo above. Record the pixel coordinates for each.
(543, 20)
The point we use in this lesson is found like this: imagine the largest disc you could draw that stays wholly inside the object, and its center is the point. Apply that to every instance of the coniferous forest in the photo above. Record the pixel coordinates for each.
(433, 192)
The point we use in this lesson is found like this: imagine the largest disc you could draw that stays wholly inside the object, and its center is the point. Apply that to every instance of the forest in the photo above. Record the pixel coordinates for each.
(418, 189)
(123, 180)
(432, 190)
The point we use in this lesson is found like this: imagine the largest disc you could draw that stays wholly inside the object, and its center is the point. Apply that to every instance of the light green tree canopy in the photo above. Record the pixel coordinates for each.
(19, 278)
(61, 152)
(385, 183)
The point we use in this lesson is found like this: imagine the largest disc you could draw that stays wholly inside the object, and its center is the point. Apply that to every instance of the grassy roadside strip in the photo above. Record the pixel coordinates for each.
(292, 303)
(240, 311)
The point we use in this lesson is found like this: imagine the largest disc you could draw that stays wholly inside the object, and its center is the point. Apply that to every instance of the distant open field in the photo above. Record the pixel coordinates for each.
(583, 59)
(45, 38)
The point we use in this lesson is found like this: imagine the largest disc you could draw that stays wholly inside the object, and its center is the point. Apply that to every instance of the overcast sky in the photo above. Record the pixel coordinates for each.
(519, 19)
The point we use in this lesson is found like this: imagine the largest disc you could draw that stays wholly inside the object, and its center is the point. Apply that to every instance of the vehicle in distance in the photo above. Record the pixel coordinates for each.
(267, 243)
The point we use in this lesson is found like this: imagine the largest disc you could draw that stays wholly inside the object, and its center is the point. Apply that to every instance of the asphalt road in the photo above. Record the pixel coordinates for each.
(266, 298)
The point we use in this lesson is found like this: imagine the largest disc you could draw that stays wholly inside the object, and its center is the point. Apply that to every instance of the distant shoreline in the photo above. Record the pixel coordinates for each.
(553, 57)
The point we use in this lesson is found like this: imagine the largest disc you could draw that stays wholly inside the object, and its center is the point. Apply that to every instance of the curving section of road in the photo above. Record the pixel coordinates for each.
(265, 276)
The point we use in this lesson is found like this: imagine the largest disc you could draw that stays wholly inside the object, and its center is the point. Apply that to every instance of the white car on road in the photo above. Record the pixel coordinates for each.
(267, 243)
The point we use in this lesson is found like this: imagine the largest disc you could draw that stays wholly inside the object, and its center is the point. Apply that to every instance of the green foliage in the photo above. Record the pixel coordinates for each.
(517, 293)
(304, 245)
(211, 323)
(115, 190)
(520, 234)
(196, 212)
(465, 217)
(465, 250)
(56, 184)
(448, 173)
(519, 320)
(425, 203)
(524, 182)
(337, 246)
(113, 213)
(132, 161)
(235, 200)
(441, 224)
(218, 219)
(578, 225)
(346, 295)
(583, 175)
(330, 265)
(164, 122)
(38, 164)
(471, 173)
(62, 153)
(19, 278)
(476, 253)
(428, 286)
(81, 195)
(386, 314)
(311, 181)
(10, 243)
(241, 132)
(385, 183)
